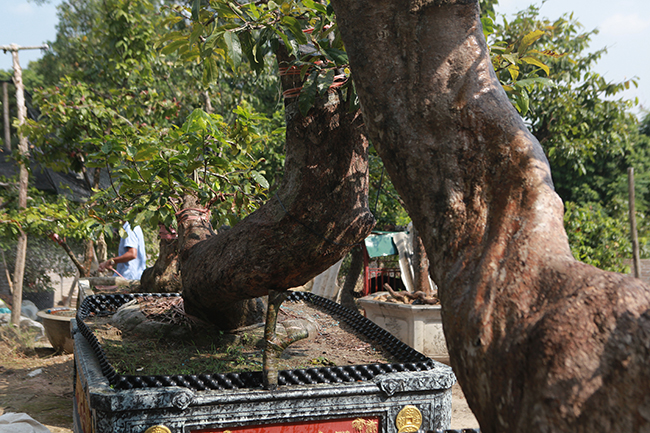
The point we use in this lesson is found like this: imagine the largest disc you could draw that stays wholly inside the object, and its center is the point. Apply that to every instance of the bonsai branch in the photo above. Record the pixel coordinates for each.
(273, 344)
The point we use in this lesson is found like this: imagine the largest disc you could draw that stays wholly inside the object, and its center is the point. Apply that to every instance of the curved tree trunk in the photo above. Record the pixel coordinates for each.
(318, 214)
(539, 341)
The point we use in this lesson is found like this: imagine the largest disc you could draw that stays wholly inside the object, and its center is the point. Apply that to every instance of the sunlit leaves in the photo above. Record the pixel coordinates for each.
(528, 39)
(248, 32)
(294, 28)
(509, 59)
(536, 62)
(596, 238)
(205, 157)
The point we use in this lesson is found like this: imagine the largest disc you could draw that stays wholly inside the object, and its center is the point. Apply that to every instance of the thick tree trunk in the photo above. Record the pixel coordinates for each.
(318, 214)
(539, 341)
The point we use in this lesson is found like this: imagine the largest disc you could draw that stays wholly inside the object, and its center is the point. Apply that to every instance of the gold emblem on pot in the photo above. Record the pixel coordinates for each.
(158, 429)
(408, 420)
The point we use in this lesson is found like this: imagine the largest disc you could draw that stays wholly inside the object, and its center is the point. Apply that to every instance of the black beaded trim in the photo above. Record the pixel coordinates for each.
(409, 359)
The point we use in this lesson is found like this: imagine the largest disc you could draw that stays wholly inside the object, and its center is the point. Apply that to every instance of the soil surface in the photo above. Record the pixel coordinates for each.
(135, 343)
(38, 383)
(47, 395)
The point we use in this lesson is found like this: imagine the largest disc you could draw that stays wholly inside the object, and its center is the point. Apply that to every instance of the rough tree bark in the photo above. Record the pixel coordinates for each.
(164, 276)
(317, 215)
(356, 267)
(420, 266)
(539, 341)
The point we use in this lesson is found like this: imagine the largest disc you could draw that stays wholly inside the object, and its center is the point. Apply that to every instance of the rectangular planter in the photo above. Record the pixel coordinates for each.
(419, 326)
(389, 398)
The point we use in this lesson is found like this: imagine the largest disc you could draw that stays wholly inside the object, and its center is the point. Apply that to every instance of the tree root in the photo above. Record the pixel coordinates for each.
(409, 298)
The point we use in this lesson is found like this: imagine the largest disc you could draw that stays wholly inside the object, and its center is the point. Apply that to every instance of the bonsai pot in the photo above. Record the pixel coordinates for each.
(410, 395)
(419, 326)
(56, 322)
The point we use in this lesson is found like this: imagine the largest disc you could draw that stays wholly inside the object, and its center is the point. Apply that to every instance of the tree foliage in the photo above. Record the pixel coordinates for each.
(114, 109)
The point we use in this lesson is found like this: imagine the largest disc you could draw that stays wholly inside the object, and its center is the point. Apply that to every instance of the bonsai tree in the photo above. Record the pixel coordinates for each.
(208, 169)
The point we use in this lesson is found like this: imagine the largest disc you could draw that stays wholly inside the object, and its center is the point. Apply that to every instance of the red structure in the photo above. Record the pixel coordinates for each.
(375, 277)
(362, 425)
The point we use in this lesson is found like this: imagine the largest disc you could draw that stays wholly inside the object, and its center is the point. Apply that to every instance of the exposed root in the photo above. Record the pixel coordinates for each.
(412, 298)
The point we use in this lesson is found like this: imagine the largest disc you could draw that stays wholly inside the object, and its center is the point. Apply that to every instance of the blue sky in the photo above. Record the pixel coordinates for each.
(624, 30)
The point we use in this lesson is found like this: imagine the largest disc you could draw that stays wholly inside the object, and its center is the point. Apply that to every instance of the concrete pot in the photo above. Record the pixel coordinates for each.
(419, 326)
(56, 322)
(388, 398)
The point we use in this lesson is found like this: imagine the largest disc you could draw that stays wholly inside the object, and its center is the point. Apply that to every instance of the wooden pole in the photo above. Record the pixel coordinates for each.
(635, 238)
(23, 181)
(5, 109)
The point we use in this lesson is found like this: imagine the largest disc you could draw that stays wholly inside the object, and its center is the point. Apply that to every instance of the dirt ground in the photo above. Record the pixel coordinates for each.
(46, 395)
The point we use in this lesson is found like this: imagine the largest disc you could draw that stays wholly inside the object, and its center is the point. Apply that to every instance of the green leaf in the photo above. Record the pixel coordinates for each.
(530, 82)
(315, 6)
(146, 154)
(325, 81)
(218, 162)
(488, 26)
(261, 180)
(168, 49)
(308, 94)
(131, 151)
(234, 49)
(523, 102)
(536, 62)
(209, 71)
(107, 147)
(253, 52)
(196, 7)
(294, 27)
(511, 58)
(213, 40)
(514, 71)
(338, 56)
(527, 40)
